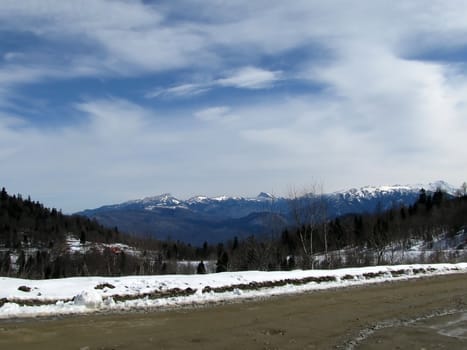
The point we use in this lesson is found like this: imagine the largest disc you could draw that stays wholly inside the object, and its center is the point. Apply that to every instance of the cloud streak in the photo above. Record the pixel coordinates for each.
(250, 78)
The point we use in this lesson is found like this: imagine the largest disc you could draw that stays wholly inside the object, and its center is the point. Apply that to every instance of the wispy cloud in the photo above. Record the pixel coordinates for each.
(251, 78)
(180, 90)
(213, 114)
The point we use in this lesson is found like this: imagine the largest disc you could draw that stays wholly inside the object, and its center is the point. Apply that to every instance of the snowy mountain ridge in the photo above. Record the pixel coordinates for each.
(166, 200)
(368, 191)
(220, 218)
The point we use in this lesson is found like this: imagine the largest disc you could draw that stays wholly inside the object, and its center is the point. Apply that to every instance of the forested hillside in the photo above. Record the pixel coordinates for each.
(24, 222)
(38, 242)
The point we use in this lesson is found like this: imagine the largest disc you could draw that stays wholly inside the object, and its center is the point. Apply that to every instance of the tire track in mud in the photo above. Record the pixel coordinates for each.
(367, 332)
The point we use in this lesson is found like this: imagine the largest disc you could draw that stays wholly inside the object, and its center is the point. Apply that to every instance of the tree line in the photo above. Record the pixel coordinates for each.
(33, 244)
(33, 240)
(317, 241)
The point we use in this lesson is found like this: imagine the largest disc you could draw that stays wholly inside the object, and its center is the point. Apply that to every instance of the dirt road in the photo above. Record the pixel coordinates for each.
(319, 320)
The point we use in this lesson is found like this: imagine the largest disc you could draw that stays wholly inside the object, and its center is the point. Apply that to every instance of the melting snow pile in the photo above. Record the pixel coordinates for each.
(30, 298)
(88, 298)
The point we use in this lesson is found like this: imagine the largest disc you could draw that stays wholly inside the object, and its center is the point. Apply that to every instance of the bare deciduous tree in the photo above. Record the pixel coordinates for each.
(309, 214)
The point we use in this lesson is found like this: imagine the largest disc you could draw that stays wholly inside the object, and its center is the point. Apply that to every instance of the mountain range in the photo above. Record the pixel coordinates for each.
(218, 219)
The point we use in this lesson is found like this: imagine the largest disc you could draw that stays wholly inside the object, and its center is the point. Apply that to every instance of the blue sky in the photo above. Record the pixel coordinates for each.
(104, 101)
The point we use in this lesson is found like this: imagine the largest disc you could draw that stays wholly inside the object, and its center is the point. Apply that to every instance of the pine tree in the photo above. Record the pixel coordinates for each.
(422, 196)
(222, 262)
(201, 269)
(82, 237)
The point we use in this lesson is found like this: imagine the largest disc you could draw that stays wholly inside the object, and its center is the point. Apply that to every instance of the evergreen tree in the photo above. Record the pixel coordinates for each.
(82, 237)
(222, 262)
(201, 269)
(422, 196)
(438, 198)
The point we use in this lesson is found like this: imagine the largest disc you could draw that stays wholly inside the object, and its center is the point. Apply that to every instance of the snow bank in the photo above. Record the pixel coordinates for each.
(89, 298)
(90, 294)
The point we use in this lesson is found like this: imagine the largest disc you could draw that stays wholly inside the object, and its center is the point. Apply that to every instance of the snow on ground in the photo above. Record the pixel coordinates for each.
(77, 295)
(75, 246)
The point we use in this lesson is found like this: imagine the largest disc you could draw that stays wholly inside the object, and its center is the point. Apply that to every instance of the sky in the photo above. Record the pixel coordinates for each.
(104, 101)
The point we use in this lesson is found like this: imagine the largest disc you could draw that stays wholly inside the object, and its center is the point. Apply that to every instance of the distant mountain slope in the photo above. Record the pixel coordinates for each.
(217, 219)
(197, 219)
(369, 199)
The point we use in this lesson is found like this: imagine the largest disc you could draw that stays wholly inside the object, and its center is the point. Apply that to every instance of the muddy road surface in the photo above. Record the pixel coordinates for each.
(336, 319)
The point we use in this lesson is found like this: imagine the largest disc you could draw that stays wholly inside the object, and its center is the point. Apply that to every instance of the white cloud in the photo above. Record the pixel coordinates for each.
(212, 114)
(119, 37)
(134, 37)
(411, 103)
(251, 78)
(118, 143)
(180, 90)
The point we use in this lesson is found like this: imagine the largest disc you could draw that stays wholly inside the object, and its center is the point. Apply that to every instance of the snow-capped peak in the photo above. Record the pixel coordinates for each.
(165, 198)
(265, 195)
(373, 191)
(224, 198)
(442, 185)
(198, 199)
